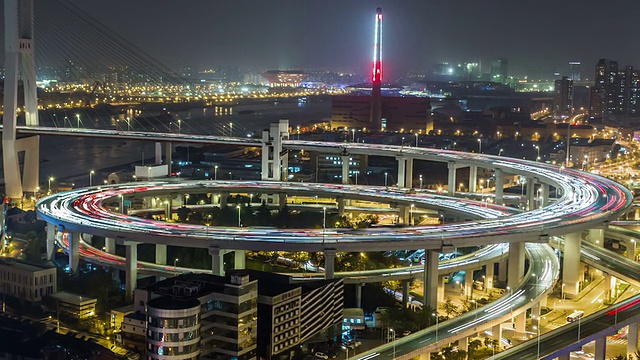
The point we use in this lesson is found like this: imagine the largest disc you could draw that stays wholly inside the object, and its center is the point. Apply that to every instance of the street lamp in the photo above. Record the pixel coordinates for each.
(353, 135)
(175, 262)
(411, 215)
(500, 152)
(324, 222)
(385, 179)
(416, 139)
(91, 177)
(441, 219)
(538, 157)
(480, 146)
(179, 125)
(230, 129)
(121, 203)
(420, 181)
(78, 118)
(186, 199)
(215, 172)
(239, 220)
(230, 176)
(50, 180)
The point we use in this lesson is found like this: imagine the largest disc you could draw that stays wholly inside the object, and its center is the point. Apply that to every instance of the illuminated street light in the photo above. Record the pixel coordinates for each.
(91, 177)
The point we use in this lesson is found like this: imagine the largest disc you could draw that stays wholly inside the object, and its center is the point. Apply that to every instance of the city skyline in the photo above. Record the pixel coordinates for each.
(538, 38)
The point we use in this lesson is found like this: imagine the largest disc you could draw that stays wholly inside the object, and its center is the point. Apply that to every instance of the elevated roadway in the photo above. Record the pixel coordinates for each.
(595, 326)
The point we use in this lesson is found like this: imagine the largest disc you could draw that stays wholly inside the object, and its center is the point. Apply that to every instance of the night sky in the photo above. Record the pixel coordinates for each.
(537, 37)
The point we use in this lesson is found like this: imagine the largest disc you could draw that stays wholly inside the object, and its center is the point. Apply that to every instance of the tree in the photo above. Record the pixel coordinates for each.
(449, 308)
(183, 213)
(263, 215)
(473, 346)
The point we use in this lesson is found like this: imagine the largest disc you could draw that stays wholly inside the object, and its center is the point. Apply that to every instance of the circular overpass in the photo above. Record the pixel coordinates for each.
(587, 201)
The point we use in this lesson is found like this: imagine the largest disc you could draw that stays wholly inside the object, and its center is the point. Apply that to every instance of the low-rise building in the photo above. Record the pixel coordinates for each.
(241, 316)
(26, 280)
(73, 306)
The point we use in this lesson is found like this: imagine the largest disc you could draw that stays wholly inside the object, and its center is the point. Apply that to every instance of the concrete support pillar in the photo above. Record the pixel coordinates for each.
(596, 236)
(407, 179)
(51, 240)
(223, 199)
(499, 187)
(217, 261)
(131, 269)
(441, 285)
(544, 195)
(632, 339)
(403, 216)
(74, 251)
(571, 265)
(346, 159)
(274, 158)
(110, 245)
(282, 200)
(631, 249)
(430, 289)
(535, 314)
(473, 178)
(516, 264)
(600, 351)
(451, 179)
(531, 184)
(496, 332)
(358, 295)
(329, 263)
(521, 322)
(502, 271)
(405, 293)
(340, 206)
(463, 344)
(239, 259)
(468, 284)
(488, 277)
(168, 156)
(402, 171)
(158, 153)
(609, 287)
(88, 238)
(364, 164)
(161, 254)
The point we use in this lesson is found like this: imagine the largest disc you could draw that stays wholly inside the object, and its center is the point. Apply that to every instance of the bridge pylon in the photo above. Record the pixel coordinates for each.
(19, 50)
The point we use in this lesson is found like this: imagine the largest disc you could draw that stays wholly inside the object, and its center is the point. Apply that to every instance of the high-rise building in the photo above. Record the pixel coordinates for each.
(563, 97)
(603, 93)
(615, 91)
(574, 70)
(499, 70)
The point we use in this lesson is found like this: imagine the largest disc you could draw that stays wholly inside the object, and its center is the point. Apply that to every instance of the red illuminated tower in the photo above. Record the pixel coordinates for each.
(376, 76)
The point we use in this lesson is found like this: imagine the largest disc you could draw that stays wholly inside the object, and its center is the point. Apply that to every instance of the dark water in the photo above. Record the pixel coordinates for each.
(71, 159)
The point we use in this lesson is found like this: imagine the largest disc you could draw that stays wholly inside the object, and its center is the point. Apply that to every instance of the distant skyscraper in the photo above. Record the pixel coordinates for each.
(603, 93)
(376, 76)
(574, 70)
(563, 97)
(615, 92)
(499, 70)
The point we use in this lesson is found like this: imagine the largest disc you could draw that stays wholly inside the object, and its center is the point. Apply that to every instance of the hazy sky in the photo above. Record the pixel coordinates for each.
(536, 36)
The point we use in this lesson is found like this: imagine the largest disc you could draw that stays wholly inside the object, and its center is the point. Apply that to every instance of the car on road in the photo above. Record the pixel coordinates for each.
(321, 355)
